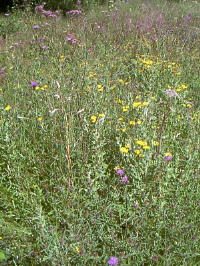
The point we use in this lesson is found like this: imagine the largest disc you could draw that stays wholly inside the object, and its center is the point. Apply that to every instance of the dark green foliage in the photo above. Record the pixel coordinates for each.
(64, 5)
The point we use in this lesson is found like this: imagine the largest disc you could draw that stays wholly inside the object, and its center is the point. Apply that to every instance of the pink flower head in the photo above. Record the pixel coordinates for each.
(113, 261)
(34, 84)
(120, 172)
(39, 8)
(36, 27)
(168, 156)
(124, 179)
(171, 93)
(74, 12)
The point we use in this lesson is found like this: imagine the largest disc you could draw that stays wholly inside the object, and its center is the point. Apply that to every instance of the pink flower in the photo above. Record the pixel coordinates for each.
(124, 179)
(34, 84)
(113, 261)
(36, 27)
(171, 93)
(120, 172)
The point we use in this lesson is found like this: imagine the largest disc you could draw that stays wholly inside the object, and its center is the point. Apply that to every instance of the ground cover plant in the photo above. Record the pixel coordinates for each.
(99, 122)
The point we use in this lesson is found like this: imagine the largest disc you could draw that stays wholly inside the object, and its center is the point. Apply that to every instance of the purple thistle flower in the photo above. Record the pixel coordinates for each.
(53, 16)
(39, 8)
(168, 158)
(113, 261)
(171, 93)
(120, 172)
(74, 12)
(135, 204)
(36, 27)
(34, 84)
(188, 18)
(124, 179)
(44, 47)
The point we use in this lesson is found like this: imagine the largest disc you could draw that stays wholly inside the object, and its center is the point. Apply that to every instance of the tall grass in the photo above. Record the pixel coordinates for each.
(99, 122)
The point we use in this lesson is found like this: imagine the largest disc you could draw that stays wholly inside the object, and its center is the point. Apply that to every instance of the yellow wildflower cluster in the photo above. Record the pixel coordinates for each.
(156, 143)
(143, 144)
(8, 108)
(133, 123)
(125, 108)
(95, 118)
(188, 105)
(168, 154)
(41, 88)
(139, 153)
(181, 87)
(92, 75)
(100, 88)
(140, 104)
(62, 58)
(124, 150)
(119, 101)
(122, 82)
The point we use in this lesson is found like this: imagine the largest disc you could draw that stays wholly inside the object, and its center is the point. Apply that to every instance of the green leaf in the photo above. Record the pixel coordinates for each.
(2, 256)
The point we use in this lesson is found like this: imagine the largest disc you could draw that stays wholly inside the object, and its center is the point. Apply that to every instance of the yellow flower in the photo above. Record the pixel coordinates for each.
(100, 87)
(124, 149)
(40, 118)
(8, 107)
(138, 153)
(62, 58)
(132, 123)
(145, 103)
(168, 154)
(147, 62)
(139, 122)
(183, 86)
(45, 86)
(77, 249)
(93, 118)
(141, 142)
(120, 119)
(156, 143)
(123, 129)
(37, 87)
(146, 147)
(125, 108)
(119, 101)
(101, 115)
(137, 104)
(92, 75)
(153, 97)
(121, 81)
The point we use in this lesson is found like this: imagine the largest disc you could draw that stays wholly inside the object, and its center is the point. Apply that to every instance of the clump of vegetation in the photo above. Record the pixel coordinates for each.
(99, 122)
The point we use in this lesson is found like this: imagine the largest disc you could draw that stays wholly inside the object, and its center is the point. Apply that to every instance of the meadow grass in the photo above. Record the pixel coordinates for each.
(99, 122)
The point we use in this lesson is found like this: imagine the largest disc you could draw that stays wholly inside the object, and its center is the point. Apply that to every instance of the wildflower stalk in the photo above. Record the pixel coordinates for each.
(67, 127)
